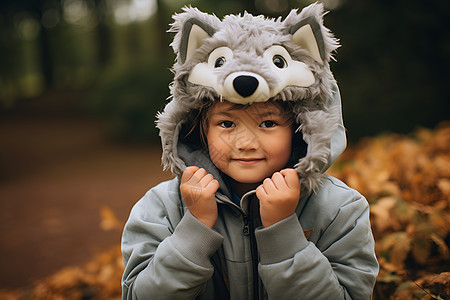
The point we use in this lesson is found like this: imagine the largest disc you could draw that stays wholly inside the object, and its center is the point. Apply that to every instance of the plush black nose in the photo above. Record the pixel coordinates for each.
(245, 85)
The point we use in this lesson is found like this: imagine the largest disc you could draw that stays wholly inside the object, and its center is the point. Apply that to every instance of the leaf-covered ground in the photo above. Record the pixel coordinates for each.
(406, 180)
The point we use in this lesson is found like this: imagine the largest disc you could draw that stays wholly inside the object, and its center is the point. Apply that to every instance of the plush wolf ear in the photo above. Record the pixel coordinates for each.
(192, 36)
(191, 27)
(307, 34)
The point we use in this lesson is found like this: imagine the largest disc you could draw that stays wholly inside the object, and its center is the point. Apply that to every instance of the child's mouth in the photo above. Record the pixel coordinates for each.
(248, 161)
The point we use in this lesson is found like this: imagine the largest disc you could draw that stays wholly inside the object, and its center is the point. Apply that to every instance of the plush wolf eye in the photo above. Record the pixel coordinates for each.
(219, 56)
(219, 62)
(279, 61)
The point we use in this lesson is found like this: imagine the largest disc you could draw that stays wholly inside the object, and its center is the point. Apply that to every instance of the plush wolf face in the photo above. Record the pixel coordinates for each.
(246, 59)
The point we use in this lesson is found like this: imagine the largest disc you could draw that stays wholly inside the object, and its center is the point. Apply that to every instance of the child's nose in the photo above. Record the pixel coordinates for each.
(247, 141)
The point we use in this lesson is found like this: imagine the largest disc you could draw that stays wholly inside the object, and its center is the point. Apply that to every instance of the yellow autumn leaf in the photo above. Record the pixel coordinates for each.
(381, 218)
(444, 186)
(109, 220)
(400, 249)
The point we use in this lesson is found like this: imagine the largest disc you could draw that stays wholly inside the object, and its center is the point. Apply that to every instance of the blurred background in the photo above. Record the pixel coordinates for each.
(81, 82)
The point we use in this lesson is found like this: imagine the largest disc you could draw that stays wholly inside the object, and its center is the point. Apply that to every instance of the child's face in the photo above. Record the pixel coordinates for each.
(249, 144)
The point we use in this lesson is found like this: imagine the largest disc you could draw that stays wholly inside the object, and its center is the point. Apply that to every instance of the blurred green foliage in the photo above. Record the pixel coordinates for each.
(129, 98)
(392, 67)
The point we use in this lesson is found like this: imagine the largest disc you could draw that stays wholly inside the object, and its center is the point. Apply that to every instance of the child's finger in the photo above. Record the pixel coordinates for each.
(188, 173)
(198, 175)
(279, 181)
(212, 186)
(269, 186)
(206, 180)
(291, 178)
(261, 192)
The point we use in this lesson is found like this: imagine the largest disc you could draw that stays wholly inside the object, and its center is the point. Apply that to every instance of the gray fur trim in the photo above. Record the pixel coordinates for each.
(317, 128)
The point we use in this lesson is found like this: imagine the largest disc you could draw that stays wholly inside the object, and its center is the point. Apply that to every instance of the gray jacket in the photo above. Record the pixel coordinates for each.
(323, 251)
(169, 254)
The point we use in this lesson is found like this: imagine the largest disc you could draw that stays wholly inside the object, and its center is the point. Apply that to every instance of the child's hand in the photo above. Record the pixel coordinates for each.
(198, 189)
(278, 196)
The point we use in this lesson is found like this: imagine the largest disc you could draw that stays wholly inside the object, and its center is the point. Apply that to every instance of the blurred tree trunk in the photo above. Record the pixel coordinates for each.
(163, 20)
(8, 61)
(46, 57)
(7, 44)
(9, 9)
(104, 35)
(37, 8)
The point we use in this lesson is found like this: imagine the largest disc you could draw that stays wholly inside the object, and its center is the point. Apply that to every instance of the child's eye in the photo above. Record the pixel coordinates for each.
(268, 124)
(226, 124)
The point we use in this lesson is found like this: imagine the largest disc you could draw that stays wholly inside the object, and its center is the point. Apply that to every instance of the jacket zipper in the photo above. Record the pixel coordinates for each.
(248, 230)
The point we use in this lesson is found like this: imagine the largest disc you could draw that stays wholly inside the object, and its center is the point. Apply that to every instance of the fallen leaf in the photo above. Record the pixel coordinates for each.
(109, 220)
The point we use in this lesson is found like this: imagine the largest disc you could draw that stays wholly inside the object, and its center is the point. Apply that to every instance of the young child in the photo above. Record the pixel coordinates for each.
(251, 214)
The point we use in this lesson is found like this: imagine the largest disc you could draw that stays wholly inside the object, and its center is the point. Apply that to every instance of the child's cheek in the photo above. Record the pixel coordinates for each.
(217, 154)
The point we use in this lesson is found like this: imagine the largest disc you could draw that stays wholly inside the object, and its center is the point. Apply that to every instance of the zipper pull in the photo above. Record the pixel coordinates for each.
(246, 229)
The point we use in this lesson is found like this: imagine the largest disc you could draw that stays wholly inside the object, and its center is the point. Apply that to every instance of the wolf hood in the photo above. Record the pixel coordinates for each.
(246, 59)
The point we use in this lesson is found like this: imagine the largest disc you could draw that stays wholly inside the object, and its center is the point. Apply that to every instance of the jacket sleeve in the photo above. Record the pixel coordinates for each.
(166, 253)
(341, 264)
